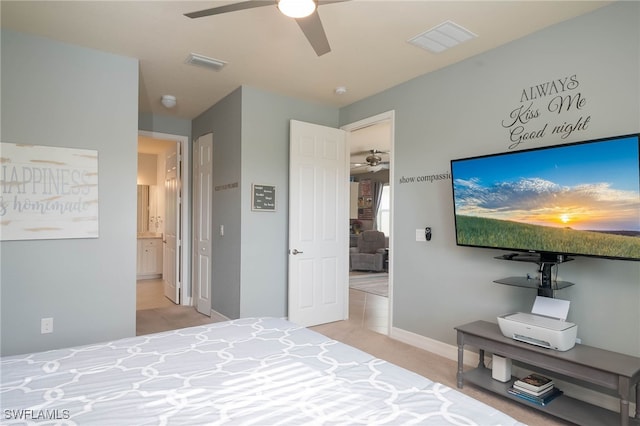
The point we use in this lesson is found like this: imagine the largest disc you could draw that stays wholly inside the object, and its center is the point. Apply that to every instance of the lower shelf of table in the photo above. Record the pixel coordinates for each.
(563, 407)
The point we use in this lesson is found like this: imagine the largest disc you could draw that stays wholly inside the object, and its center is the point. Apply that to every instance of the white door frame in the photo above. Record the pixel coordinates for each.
(185, 182)
(366, 122)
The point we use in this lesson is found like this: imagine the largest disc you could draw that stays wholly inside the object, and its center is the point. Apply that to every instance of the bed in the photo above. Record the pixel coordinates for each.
(260, 371)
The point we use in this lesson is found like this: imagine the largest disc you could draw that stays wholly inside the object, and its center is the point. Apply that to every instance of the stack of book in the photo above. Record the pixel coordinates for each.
(535, 388)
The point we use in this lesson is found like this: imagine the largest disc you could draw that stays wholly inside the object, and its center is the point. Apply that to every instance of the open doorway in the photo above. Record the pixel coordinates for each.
(370, 264)
(161, 224)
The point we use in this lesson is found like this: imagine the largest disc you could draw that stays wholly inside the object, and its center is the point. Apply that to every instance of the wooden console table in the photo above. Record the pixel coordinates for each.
(586, 365)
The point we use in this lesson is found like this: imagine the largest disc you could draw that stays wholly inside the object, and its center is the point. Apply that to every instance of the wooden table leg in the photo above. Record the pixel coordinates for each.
(637, 401)
(460, 359)
(623, 392)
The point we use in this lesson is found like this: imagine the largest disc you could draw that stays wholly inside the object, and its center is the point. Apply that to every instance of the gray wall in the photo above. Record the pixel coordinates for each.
(251, 145)
(59, 95)
(164, 124)
(265, 160)
(457, 112)
(224, 121)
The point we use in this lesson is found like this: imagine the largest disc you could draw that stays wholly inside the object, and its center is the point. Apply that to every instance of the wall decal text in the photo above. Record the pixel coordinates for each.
(226, 186)
(551, 108)
(425, 178)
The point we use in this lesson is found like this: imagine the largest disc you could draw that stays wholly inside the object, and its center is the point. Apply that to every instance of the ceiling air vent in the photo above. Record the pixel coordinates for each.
(205, 62)
(442, 37)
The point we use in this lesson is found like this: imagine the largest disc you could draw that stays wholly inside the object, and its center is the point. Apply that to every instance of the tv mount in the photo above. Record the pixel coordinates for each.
(545, 285)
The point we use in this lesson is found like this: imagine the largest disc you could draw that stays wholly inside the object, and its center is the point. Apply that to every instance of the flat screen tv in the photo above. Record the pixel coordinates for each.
(571, 199)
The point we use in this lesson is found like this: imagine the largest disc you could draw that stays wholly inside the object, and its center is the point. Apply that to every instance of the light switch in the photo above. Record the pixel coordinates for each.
(221, 230)
(420, 235)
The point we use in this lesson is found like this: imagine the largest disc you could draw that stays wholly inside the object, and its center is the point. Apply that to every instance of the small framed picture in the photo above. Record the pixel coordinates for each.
(263, 197)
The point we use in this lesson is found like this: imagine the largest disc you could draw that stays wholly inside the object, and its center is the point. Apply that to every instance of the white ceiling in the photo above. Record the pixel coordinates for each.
(149, 145)
(266, 50)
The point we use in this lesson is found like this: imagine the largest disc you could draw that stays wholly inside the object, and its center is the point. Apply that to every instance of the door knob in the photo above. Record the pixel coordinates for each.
(295, 251)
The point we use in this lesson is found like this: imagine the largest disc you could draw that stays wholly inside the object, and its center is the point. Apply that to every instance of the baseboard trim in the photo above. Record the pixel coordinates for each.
(218, 316)
(434, 346)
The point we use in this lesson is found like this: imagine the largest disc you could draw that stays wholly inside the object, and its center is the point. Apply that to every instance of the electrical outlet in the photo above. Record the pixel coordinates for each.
(46, 325)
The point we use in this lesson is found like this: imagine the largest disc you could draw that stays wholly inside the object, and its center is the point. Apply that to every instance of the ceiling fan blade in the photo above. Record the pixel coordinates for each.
(230, 8)
(370, 152)
(312, 28)
(323, 2)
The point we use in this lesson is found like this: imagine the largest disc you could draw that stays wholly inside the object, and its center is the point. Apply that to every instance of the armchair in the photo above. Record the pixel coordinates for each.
(369, 255)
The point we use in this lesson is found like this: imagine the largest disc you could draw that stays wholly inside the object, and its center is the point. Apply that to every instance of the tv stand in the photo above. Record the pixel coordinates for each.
(546, 285)
(583, 365)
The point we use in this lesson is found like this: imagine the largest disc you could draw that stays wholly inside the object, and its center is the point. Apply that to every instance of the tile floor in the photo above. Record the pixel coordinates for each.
(150, 295)
(369, 311)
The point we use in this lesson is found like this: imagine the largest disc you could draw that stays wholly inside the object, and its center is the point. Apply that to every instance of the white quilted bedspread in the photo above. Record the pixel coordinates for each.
(263, 371)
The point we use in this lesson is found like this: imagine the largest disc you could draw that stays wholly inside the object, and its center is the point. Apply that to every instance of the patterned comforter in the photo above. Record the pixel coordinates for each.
(262, 371)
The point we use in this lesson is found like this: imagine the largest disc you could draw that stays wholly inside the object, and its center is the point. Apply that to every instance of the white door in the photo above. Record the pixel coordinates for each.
(171, 249)
(202, 205)
(318, 223)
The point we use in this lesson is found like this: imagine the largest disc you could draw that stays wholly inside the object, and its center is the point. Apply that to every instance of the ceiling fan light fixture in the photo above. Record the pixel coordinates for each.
(297, 8)
(373, 159)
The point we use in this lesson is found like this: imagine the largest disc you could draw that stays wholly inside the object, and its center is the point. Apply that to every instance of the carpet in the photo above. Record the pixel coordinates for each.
(371, 283)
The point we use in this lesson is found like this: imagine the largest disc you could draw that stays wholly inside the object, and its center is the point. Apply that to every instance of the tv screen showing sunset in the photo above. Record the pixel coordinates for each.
(579, 198)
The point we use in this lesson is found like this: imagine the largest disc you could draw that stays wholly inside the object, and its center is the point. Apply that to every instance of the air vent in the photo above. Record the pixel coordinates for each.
(442, 37)
(205, 62)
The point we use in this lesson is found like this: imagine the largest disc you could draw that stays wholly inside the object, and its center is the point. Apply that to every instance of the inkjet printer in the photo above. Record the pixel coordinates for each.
(545, 326)
(540, 330)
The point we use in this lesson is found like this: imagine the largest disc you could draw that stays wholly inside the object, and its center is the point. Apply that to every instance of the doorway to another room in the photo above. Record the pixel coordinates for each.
(150, 208)
(162, 221)
(370, 142)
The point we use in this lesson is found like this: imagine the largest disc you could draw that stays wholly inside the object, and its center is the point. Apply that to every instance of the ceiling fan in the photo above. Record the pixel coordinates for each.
(373, 160)
(305, 12)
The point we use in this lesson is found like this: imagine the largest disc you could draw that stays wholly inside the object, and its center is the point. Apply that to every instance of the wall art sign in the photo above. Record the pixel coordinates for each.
(263, 197)
(555, 107)
(48, 192)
